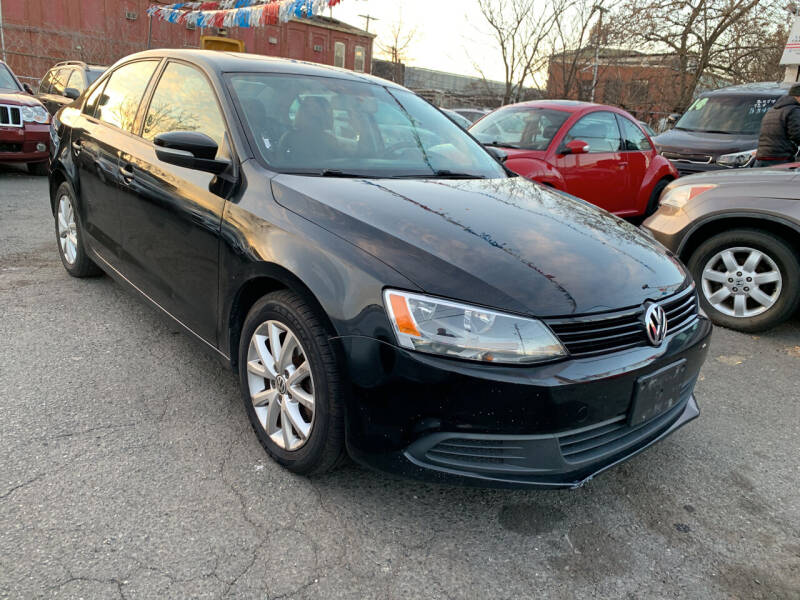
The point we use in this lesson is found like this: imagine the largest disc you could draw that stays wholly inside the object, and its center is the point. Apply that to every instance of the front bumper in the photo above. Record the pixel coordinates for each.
(18, 144)
(551, 425)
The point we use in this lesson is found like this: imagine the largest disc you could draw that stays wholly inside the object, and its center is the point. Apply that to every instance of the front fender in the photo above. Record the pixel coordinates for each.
(536, 170)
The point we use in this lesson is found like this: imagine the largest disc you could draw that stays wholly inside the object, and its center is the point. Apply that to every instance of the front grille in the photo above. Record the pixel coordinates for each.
(475, 451)
(612, 436)
(10, 148)
(10, 116)
(693, 158)
(612, 332)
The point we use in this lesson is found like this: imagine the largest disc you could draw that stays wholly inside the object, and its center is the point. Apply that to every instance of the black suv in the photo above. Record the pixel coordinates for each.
(65, 82)
(720, 129)
(376, 277)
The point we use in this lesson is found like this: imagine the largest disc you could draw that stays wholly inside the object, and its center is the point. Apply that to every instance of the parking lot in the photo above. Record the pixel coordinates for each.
(130, 470)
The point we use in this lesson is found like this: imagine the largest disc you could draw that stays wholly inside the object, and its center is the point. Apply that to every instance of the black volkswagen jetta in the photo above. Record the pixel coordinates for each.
(378, 280)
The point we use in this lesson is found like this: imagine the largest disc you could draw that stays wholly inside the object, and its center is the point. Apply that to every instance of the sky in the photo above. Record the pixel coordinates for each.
(450, 34)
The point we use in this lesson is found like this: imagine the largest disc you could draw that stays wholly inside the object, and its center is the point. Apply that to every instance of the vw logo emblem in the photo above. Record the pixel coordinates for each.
(655, 324)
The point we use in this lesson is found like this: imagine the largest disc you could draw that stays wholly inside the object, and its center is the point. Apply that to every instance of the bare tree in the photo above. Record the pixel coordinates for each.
(571, 41)
(708, 40)
(520, 29)
(398, 42)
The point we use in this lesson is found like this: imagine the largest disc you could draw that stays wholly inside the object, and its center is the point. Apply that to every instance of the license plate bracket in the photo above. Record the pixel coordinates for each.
(656, 393)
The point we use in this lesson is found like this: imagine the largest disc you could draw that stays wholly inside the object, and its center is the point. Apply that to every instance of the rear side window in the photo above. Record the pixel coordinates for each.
(599, 130)
(184, 101)
(123, 93)
(634, 137)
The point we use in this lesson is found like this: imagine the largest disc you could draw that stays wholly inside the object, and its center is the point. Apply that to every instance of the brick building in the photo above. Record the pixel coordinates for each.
(40, 33)
(643, 84)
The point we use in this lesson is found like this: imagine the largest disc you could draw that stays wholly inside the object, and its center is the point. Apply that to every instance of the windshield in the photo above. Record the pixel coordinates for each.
(528, 128)
(7, 81)
(327, 126)
(735, 114)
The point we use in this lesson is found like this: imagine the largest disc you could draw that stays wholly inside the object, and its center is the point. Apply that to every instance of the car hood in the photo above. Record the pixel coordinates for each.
(738, 177)
(698, 142)
(503, 243)
(18, 99)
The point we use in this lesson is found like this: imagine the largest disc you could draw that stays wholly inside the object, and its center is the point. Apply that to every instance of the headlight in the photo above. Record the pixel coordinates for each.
(34, 114)
(451, 329)
(737, 159)
(679, 196)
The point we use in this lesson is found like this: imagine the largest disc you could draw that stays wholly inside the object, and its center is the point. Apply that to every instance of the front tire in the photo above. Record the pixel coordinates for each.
(749, 279)
(69, 236)
(290, 384)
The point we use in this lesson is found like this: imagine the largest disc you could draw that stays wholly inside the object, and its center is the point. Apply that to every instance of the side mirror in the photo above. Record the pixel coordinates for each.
(499, 155)
(189, 149)
(576, 147)
(71, 93)
(673, 118)
(27, 88)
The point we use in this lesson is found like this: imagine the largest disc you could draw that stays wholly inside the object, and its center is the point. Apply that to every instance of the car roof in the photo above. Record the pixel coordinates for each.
(571, 106)
(240, 62)
(760, 88)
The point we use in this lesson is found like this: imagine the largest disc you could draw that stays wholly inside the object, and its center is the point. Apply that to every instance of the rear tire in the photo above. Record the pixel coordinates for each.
(69, 235)
(294, 401)
(764, 291)
(39, 169)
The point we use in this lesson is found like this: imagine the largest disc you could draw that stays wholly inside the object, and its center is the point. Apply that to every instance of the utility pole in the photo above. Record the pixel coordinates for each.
(598, 36)
(2, 32)
(368, 18)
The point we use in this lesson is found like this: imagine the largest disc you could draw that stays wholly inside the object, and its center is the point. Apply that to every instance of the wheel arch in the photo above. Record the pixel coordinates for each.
(263, 280)
(57, 177)
(790, 233)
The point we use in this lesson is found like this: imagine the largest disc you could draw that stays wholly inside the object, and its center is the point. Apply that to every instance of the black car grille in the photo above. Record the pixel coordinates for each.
(10, 147)
(10, 116)
(614, 435)
(476, 451)
(611, 332)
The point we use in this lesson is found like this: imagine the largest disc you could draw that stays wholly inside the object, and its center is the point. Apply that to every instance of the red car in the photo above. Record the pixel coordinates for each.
(592, 151)
(24, 125)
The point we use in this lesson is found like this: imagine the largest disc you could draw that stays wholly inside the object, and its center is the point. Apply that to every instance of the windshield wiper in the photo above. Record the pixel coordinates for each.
(339, 173)
(498, 144)
(439, 174)
(716, 131)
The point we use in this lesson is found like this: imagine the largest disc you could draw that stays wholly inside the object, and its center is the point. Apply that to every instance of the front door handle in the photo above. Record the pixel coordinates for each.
(127, 173)
(76, 147)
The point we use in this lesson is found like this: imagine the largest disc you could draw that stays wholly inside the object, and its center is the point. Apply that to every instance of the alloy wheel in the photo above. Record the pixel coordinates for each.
(67, 229)
(741, 282)
(281, 385)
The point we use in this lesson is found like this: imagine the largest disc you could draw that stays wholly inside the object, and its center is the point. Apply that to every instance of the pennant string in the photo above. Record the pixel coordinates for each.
(239, 13)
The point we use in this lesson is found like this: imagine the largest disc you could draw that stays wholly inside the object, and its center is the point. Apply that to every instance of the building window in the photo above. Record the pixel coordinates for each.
(612, 93)
(360, 59)
(639, 92)
(338, 54)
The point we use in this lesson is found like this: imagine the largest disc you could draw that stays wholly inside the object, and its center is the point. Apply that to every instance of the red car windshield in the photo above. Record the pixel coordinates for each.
(7, 80)
(521, 127)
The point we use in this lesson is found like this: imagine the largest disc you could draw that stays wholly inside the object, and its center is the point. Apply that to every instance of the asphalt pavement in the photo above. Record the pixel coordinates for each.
(128, 469)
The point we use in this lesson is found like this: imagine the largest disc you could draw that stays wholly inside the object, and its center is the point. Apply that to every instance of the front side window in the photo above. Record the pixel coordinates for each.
(184, 101)
(735, 114)
(7, 81)
(635, 138)
(123, 93)
(319, 125)
(44, 85)
(599, 130)
(76, 81)
(339, 49)
(528, 128)
(360, 59)
(60, 81)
